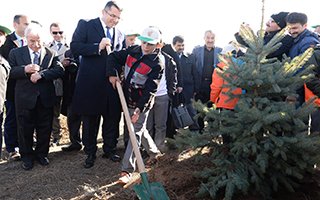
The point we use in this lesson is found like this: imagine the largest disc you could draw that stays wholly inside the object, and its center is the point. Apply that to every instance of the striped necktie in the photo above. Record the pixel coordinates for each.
(36, 58)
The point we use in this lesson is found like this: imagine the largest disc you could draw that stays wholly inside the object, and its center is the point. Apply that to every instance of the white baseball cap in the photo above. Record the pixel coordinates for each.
(150, 35)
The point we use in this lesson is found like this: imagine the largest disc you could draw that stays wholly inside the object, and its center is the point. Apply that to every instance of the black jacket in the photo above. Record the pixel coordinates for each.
(26, 92)
(314, 83)
(286, 42)
(69, 81)
(167, 48)
(171, 74)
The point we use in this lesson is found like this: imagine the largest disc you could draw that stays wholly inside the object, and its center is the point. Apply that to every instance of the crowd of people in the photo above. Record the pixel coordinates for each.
(39, 82)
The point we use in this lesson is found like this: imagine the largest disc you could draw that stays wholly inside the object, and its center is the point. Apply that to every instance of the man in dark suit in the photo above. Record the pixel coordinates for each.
(94, 96)
(205, 58)
(189, 71)
(14, 40)
(34, 68)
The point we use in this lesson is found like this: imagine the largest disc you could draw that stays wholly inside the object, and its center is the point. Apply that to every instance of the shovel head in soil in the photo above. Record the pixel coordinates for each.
(150, 191)
(145, 190)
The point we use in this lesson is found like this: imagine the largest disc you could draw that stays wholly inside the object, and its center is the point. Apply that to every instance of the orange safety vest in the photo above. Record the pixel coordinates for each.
(309, 94)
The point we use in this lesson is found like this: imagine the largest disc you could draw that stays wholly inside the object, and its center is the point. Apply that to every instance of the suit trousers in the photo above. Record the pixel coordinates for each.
(56, 127)
(39, 121)
(74, 124)
(110, 132)
(10, 127)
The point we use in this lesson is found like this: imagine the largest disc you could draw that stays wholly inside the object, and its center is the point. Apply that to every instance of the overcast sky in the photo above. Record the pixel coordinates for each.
(173, 17)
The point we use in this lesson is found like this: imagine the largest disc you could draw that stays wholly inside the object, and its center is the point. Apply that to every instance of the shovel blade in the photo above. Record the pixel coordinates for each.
(155, 192)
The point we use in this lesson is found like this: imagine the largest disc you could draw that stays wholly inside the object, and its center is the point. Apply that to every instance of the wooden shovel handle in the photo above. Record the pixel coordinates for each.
(132, 134)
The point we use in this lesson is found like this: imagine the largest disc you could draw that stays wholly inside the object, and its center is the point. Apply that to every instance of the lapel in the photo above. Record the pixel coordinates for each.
(60, 52)
(215, 56)
(26, 55)
(16, 42)
(98, 26)
(201, 59)
(14, 39)
(45, 58)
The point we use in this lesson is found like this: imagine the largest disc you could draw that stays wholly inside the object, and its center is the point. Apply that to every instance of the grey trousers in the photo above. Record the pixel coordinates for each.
(157, 120)
(143, 137)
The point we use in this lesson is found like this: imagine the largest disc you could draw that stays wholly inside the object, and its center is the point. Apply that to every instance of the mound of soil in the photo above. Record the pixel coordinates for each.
(66, 178)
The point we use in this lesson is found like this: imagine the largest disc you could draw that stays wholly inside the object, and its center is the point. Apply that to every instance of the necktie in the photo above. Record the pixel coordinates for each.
(59, 45)
(36, 58)
(108, 34)
(22, 42)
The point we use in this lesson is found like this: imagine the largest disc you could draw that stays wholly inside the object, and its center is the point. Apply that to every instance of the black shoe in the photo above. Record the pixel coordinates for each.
(27, 165)
(55, 142)
(90, 161)
(112, 156)
(72, 147)
(43, 161)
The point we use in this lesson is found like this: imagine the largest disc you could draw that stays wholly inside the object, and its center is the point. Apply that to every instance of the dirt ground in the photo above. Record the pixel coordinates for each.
(66, 178)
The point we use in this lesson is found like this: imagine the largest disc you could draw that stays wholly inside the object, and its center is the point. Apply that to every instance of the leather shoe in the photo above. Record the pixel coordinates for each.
(27, 165)
(112, 156)
(72, 147)
(43, 161)
(89, 161)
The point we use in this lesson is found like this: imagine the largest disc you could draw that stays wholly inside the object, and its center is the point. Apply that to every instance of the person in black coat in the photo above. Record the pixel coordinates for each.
(274, 25)
(94, 96)
(14, 40)
(73, 120)
(34, 68)
(313, 85)
(189, 72)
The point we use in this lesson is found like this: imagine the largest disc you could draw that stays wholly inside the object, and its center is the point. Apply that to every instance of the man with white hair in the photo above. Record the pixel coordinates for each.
(34, 67)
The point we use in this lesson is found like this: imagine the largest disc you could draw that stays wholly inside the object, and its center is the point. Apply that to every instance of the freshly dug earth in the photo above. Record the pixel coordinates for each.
(66, 178)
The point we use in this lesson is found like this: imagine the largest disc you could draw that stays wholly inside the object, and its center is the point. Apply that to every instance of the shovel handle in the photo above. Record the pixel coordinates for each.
(132, 134)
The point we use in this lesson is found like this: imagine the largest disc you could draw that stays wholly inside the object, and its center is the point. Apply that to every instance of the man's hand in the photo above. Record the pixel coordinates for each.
(179, 89)
(35, 77)
(31, 68)
(113, 80)
(135, 116)
(104, 43)
(66, 62)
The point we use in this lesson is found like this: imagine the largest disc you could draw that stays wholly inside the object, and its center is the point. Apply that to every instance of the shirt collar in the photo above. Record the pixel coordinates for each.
(31, 51)
(18, 37)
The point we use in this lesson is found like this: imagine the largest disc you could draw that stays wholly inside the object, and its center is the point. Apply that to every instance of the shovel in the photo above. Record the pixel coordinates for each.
(145, 190)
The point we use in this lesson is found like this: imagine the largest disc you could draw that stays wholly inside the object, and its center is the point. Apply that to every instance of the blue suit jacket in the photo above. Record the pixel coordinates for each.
(93, 93)
(198, 53)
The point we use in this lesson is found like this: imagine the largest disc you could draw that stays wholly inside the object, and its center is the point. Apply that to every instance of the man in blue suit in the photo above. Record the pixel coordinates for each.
(205, 58)
(94, 96)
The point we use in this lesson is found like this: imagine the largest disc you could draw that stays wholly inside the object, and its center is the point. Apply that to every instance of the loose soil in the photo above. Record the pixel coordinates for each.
(66, 178)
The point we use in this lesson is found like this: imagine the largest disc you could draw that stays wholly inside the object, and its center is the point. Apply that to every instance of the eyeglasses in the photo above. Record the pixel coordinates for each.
(146, 43)
(112, 15)
(56, 32)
